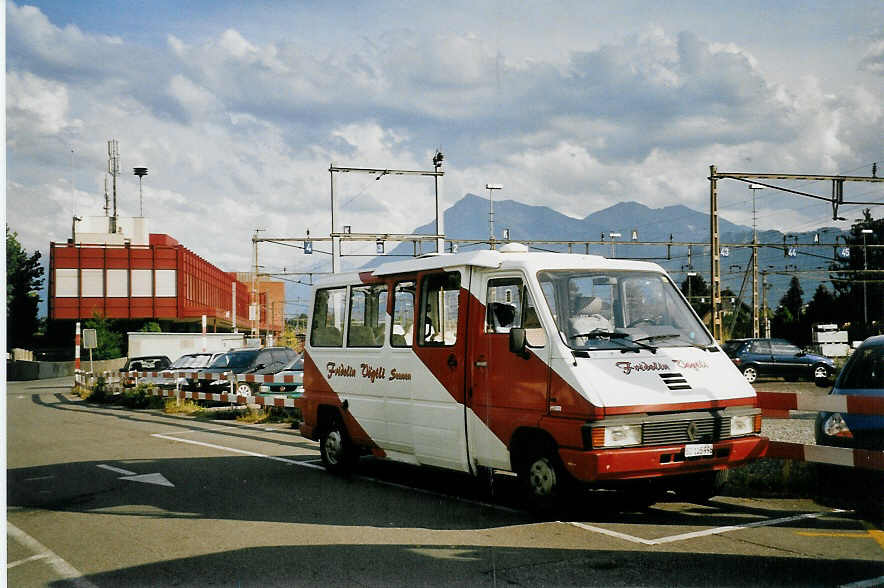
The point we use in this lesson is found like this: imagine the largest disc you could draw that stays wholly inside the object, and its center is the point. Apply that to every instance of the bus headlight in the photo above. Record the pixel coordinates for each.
(623, 435)
(742, 425)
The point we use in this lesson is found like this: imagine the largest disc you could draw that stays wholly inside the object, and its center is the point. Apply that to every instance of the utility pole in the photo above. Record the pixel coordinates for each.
(491, 188)
(715, 254)
(255, 307)
(755, 328)
(836, 200)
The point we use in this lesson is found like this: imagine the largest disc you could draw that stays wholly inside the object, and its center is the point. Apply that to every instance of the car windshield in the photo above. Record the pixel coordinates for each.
(732, 346)
(235, 359)
(296, 365)
(865, 370)
(619, 310)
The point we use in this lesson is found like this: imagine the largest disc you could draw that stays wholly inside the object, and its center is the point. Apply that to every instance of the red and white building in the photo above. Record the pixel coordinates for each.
(121, 271)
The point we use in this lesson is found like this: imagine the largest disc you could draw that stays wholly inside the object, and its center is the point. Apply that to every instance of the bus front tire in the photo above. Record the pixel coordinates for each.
(544, 479)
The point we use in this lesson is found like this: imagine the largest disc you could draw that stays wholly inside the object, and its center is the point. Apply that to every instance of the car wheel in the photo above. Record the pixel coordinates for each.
(750, 373)
(335, 449)
(820, 372)
(243, 389)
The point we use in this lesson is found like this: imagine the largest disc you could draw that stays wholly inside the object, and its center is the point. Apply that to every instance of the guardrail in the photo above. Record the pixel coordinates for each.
(781, 405)
(116, 381)
(772, 404)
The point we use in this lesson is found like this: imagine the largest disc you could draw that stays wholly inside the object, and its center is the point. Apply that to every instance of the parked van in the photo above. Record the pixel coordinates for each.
(569, 370)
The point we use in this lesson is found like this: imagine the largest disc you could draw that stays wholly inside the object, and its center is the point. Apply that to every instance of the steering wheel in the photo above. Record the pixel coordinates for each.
(643, 321)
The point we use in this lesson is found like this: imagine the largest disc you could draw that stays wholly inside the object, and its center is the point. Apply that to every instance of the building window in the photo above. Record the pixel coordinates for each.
(165, 283)
(117, 283)
(66, 283)
(142, 283)
(93, 283)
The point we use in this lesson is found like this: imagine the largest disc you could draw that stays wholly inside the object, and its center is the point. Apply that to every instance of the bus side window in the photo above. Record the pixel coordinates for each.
(402, 332)
(366, 325)
(440, 299)
(328, 318)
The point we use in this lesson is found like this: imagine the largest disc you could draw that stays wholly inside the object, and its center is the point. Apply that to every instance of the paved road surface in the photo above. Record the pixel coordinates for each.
(104, 496)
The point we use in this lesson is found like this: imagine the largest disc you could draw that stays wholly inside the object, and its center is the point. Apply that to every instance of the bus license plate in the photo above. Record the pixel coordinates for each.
(698, 450)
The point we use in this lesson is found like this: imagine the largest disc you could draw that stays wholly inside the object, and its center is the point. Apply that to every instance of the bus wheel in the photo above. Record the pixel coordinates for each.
(334, 447)
(544, 479)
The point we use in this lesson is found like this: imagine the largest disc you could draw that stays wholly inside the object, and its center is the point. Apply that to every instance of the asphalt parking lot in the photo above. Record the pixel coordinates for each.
(107, 496)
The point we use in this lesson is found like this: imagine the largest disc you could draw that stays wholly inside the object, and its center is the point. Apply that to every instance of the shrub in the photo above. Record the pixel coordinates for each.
(140, 397)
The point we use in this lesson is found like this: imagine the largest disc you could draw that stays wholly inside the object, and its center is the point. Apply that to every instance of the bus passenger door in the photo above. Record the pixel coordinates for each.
(506, 390)
(437, 409)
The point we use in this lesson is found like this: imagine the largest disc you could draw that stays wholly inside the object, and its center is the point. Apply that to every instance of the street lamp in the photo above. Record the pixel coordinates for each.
(865, 233)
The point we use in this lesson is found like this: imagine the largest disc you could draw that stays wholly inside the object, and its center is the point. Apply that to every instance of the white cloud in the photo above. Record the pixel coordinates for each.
(238, 130)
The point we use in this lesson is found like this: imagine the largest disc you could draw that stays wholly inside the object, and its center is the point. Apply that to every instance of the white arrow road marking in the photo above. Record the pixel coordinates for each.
(157, 479)
(117, 470)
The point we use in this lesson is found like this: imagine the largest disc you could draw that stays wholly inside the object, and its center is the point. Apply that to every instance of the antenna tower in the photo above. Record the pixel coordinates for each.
(113, 168)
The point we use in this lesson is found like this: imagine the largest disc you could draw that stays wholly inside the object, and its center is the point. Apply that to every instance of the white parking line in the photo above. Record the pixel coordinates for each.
(704, 533)
(61, 567)
(240, 451)
(313, 465)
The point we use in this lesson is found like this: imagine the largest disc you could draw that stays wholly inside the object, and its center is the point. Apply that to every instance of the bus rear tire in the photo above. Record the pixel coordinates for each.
(335, 448)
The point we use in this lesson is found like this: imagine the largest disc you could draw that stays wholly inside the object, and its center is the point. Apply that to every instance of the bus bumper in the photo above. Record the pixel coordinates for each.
(652, 462)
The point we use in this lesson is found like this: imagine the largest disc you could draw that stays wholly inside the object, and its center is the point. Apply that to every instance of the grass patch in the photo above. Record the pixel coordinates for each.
(141, 397)
(188, 407)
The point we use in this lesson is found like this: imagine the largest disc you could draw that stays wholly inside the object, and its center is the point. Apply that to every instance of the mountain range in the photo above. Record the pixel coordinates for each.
(468, 219)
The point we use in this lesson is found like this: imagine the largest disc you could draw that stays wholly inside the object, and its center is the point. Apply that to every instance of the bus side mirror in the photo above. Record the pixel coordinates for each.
(518, 342)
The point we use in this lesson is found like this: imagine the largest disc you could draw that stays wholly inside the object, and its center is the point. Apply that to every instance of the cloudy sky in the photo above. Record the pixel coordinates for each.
(237, 109)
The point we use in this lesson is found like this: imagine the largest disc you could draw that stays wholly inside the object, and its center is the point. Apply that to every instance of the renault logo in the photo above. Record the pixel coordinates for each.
(692, 431)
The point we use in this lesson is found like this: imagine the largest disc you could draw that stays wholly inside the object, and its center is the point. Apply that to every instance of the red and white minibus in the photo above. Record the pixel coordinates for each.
(566, 369)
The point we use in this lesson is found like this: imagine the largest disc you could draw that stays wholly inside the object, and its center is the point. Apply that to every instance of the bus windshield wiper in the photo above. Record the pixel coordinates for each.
(615, 337)
(669, 336)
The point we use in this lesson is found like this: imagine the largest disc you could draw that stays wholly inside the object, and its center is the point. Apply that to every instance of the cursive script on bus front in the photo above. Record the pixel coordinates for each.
(642, 366)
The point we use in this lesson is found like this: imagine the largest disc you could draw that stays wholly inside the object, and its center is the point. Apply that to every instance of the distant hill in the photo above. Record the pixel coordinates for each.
(468, 219)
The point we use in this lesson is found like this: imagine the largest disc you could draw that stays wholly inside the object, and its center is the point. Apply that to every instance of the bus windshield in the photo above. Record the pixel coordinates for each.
(619, 310)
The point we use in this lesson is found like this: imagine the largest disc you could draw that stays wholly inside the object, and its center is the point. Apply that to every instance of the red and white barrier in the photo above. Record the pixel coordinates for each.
(843, 456)
(780, 405)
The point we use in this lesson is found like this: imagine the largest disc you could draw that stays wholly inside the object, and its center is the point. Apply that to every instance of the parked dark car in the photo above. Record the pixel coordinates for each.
(189, 362)
(777, 357)
(295, 369)
(863, 375)
(268, 360)
(854, 487)
(143, 363)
